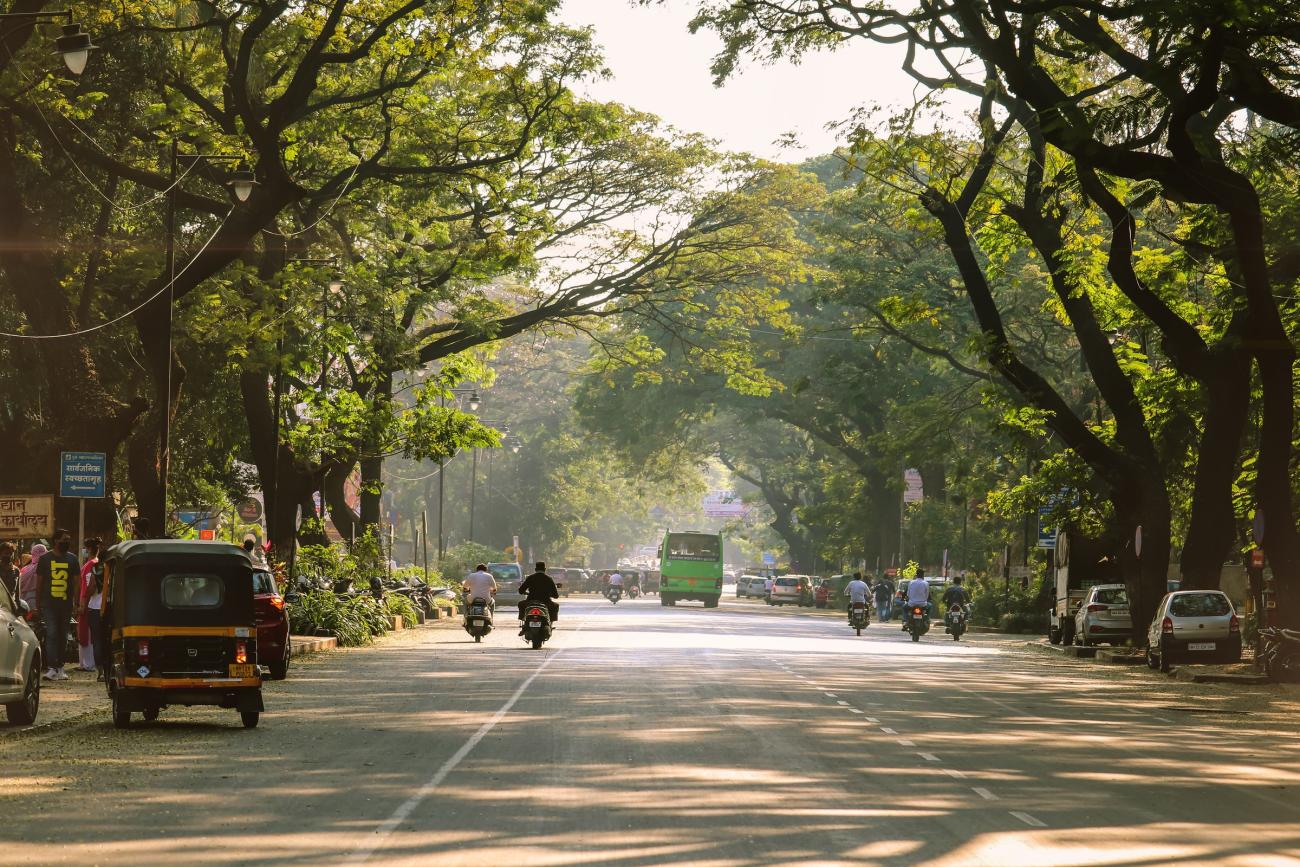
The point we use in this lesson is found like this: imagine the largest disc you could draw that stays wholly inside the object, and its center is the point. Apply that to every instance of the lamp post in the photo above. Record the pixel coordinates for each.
(74, 45)
(241, 184)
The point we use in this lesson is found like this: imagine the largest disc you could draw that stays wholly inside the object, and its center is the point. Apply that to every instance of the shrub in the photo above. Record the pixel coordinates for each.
(402, 607)
(461, 559)
(320, 610)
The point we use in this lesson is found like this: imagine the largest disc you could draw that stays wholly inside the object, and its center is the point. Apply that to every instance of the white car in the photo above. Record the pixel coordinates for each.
(1194, 626)
(20, 662)
(1103, 616)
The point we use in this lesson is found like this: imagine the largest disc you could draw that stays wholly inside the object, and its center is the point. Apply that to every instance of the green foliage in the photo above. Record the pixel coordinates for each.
(460, 560)
(398, 605)
(345, 619)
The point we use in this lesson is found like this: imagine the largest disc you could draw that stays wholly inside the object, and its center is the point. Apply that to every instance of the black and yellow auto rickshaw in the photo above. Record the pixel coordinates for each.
(179, 625)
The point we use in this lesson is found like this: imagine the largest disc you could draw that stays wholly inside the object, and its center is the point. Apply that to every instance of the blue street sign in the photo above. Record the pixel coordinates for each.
(82, 474)
(1046, 533)
(769, 559)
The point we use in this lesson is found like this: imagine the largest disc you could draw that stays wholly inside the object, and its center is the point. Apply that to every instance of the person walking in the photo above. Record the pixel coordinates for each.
(56, 573)
(28, 583)
(85, 635)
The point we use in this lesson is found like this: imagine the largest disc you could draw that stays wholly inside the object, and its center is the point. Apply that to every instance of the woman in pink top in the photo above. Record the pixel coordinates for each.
(29, 583)
(89, 590)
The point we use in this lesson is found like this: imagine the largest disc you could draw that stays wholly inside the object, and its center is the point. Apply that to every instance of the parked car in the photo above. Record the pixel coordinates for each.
(509, 576)
(791, 590)
(751, 586)
(1103, 616)
(272, 625)
(1194, 626)
(561, 579)
(578, 581)
(20, 662)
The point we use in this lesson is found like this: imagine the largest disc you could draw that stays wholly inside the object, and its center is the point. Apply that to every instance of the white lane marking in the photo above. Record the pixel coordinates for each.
(888, 731)
(929, 757)
(855, 710)
(831, 695)
(1162, 719)
(363, 852)
(872, 719)
(984, 793)
(956, 775)
(842, 702)
(904, 742)
(1029, 820)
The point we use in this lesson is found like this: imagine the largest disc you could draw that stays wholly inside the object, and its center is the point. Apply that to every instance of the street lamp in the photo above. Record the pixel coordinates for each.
(74, 44)
(239, 185)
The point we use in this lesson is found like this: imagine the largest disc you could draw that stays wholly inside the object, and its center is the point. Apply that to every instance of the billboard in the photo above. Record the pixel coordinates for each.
(913, 490)
(26, 516)
(724, 504)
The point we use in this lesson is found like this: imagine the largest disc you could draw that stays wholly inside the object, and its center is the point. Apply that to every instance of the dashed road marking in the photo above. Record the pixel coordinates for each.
(855, 710)
(904, 742)
(1029, 820)
(872, 719)
(842, 702)
(888, 731)
(929, 757)
(831, 695)
(955, 774)
(984, 793)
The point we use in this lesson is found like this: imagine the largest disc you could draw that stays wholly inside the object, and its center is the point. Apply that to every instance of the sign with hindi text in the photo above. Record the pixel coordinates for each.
(26, 516)
(82, 474)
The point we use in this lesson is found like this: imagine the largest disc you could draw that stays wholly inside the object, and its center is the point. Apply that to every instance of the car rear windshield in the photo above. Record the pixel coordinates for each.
(787, 582)
(263, 582)
(191, 590)
(1113, 596)
(690, 546)
(1199, 605)
(505, 571)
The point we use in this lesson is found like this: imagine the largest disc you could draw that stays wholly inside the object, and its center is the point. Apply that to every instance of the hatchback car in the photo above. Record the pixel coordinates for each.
(509, 576)
(1103, 616)
(750, 586)
(791, 590)
(1194, 626)
(272, 625)
(20, 662)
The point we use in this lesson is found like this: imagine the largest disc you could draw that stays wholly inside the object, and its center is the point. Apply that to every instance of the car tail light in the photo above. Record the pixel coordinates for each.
(277, 601)
(1234, 624)
(142, 648)
(1167, 627)
(1094, 628)
(1098, 607)
(241, 652)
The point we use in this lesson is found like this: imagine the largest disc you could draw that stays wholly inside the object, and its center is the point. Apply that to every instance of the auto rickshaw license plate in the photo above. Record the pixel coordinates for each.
(245, 670)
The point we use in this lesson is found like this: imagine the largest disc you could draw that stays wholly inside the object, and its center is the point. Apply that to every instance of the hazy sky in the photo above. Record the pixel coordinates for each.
(658, 66)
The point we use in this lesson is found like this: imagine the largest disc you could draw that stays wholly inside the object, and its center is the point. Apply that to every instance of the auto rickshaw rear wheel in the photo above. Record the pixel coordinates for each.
(121, 717)
(249, 718)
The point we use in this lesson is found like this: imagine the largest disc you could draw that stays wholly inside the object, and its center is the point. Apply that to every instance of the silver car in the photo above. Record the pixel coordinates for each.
(20, 662)
(509, 576)
(1103, 616)
(1194, 626)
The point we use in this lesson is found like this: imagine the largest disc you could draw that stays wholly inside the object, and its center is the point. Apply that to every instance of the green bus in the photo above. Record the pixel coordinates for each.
(690, 568)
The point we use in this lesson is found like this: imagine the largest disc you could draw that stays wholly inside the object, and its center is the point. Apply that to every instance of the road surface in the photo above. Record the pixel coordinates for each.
(646, 735)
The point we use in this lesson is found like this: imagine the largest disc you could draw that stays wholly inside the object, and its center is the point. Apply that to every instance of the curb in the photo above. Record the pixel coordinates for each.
(1187, 675)
(301, 645)
(1117, 657)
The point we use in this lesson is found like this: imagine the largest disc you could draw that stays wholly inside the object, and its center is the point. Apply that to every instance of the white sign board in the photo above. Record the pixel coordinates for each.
(724, 504)
(913, 490)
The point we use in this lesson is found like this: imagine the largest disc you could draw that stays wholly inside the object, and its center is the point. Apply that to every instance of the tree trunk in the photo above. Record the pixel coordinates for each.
(372, 469)
(336, 502)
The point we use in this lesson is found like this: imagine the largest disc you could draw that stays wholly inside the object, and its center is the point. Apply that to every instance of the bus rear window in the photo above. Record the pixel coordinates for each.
(688, 546)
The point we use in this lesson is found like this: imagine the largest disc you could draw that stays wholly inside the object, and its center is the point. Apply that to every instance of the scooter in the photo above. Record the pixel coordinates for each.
(633, 592)
(1279, 653)
(537, 624)
(955, 621)
(918, 621)
(478, 618)
(614, 593)
(859, 617)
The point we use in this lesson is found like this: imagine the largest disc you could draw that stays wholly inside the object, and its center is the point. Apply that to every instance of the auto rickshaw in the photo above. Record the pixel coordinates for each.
(179, 629)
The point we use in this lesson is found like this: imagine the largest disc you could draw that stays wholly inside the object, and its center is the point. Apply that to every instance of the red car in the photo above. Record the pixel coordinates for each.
(272, 625)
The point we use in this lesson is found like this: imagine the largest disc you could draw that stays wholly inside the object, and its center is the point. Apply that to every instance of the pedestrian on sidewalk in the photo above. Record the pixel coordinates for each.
(9, 569)
(85, 636)
(29, 586)
(57, 572)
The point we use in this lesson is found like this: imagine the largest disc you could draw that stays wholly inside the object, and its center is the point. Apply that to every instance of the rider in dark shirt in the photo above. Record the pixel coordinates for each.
(955, 594)
(540, 587)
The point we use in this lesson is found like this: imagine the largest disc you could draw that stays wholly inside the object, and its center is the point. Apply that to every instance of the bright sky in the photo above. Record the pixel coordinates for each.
(658, 66)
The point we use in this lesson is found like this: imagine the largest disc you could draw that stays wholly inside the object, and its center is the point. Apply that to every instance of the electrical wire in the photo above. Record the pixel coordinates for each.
(328, 211)
(133, 310)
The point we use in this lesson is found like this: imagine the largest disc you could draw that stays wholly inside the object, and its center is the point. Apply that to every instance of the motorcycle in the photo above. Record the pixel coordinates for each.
(918, 621)
(478, 618)
(1279, 653)
(614, 593)
(537, 624)
(633, 592)
(858, 616)
(955, 621)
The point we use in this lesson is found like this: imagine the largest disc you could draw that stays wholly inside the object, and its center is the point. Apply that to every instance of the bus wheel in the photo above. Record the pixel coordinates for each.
(710, 603)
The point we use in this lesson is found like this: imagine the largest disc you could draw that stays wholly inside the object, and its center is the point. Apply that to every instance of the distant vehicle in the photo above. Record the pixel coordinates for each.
(272, 625)
(509, 576)
(1193, 626)
(578, 581)
(1080, 563)
(20, 662)
(822, 593)
(1103, 616)
(791, 590)
(560, 577)
(751, 586)
(690, 568)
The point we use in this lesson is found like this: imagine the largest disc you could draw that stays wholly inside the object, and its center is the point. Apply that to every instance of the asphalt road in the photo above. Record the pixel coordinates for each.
(646, 735)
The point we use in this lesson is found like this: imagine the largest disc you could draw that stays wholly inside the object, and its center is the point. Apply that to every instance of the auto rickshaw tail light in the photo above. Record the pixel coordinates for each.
(241, 652)
(277, 601)
(142, 648)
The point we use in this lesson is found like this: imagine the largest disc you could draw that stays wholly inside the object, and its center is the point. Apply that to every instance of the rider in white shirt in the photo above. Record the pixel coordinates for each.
(857, 590)
(616, 580)
(918, 593)
(480, 584)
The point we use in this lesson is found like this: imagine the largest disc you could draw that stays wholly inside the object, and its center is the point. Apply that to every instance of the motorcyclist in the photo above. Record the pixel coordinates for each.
(615, 580)
(539, 587)
(955, 595)
(918, 594)
(857, 590)
(480, 584)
